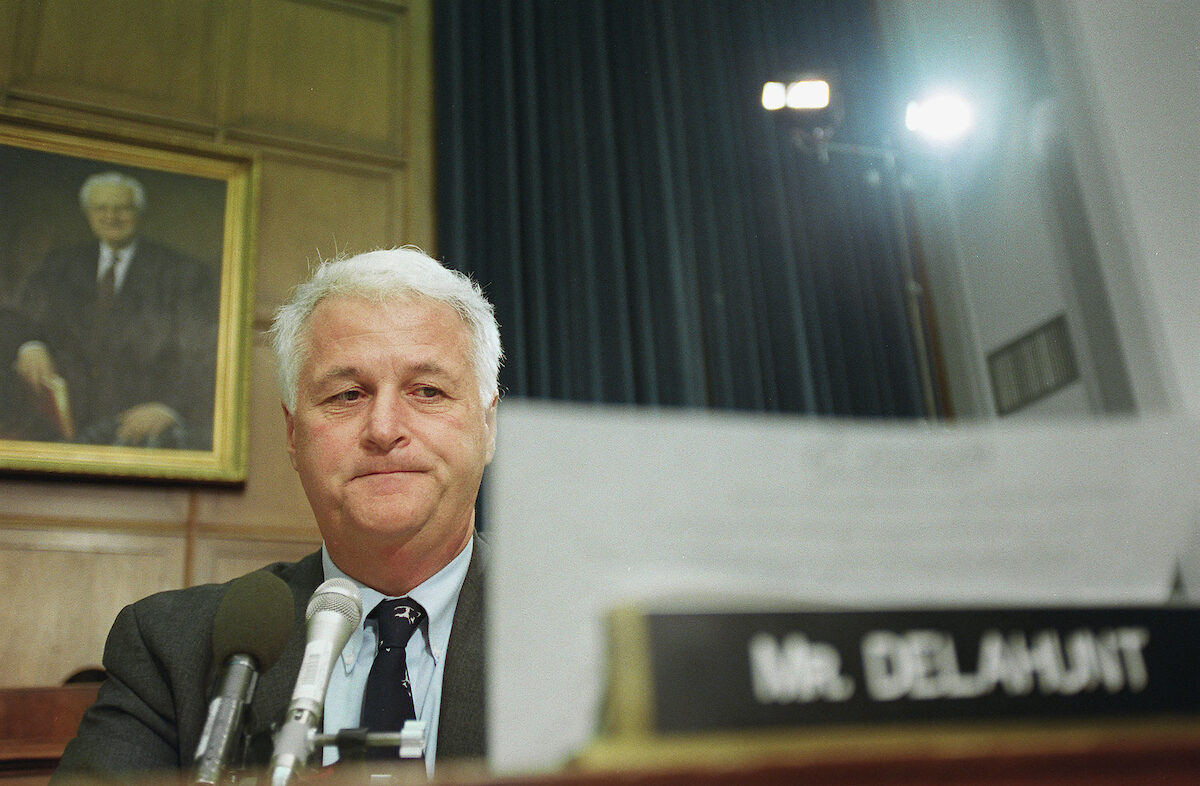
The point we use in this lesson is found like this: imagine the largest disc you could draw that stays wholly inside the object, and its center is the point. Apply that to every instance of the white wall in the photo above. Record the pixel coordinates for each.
(990, 245)
(1122, 80)
(1137, 64)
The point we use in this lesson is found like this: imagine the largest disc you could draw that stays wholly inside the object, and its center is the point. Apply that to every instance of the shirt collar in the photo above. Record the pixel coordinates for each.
(110, 256)
(438, 595)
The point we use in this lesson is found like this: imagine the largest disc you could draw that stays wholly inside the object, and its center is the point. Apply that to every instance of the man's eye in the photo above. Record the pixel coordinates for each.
(427, 391)
(348, 396)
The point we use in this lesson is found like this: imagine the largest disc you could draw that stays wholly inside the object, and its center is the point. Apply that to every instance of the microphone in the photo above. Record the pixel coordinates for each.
(333, 614)
(250, 629)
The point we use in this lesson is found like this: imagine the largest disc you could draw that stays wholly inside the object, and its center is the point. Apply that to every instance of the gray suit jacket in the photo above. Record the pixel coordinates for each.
(151, 709)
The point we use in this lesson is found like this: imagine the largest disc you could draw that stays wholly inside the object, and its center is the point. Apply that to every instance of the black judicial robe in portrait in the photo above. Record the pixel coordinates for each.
(158, 341)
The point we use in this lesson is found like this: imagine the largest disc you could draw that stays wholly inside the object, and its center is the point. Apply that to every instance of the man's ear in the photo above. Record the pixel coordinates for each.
(290, 422)
(489, 419)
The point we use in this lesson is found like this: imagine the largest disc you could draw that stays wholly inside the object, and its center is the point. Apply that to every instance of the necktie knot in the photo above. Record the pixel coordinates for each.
(397, 619)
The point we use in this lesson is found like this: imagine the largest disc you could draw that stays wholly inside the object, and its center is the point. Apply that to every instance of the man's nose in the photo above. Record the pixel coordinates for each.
(386, 421)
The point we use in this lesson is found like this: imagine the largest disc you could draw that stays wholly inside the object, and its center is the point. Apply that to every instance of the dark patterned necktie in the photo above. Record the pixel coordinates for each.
(387, 700)
(106, 288)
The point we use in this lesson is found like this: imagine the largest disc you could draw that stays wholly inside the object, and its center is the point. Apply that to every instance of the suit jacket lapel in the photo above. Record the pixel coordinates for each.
(462, 727)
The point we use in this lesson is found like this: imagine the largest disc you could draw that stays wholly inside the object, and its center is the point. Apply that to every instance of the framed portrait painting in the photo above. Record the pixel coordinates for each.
(125, 280)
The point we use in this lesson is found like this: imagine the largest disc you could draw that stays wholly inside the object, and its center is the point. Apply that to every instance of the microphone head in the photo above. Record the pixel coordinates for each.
(339, 596)
(254, 618)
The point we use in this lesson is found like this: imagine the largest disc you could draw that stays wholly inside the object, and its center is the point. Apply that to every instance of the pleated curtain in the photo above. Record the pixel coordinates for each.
(648, 232)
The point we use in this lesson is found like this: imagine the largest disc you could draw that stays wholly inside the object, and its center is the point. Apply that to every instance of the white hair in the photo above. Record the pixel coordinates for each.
(113, 179)
(383, 275)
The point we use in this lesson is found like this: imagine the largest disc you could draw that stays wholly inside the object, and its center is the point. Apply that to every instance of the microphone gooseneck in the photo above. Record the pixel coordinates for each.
(250, 629)
(333, 614)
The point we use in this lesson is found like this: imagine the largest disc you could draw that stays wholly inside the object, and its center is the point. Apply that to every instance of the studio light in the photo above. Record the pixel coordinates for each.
(942, 118)
(808, 94)
(801, 94)
(774, 95)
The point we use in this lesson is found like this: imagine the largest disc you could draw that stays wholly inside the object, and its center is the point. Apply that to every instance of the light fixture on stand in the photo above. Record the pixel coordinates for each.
(813, 112)
(811, 107)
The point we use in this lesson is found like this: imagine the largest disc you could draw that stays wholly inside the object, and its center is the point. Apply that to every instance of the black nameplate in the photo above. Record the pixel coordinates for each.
(764, 670)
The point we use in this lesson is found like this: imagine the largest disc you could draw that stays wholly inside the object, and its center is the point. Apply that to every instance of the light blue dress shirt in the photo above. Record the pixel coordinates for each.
(425, 654)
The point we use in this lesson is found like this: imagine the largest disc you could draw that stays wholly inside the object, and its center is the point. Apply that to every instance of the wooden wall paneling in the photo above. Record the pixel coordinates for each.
(9, 14)
(63, 588)
(122, 56)
(87, 504)
(272, 499)
(320, 72)
(336, 98)
(414, 220)
(310, 209)
(418, 224)
(219, 559)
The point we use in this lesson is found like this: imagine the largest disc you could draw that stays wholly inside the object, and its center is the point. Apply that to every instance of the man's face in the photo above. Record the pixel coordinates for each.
(389, 433)
(111, 214)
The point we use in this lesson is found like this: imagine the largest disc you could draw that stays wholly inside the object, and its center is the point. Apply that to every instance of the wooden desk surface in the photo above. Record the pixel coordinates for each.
(35, 726)
(36, 723)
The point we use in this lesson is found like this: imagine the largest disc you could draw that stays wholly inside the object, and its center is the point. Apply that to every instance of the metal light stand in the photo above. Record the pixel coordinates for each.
(819, 142)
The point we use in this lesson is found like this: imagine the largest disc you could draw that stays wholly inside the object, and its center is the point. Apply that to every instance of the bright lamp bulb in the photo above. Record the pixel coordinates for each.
(804, 94)
(942, 118)
(774, 95)
(808, 94)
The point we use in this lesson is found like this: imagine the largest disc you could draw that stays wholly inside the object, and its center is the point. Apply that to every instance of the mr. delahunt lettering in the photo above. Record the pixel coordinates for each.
(924, 664)
(796, 670)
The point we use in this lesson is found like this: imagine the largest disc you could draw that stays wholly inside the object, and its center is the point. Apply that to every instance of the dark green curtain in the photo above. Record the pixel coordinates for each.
(648, 233)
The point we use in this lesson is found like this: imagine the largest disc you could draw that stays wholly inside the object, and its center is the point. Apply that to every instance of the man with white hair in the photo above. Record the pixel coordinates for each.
(388, 364)
(121, 332)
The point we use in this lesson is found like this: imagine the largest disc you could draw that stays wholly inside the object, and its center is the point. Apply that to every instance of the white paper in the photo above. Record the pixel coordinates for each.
(589, 508)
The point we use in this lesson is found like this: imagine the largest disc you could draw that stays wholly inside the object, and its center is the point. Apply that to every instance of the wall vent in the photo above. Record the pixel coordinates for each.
(1032, 367)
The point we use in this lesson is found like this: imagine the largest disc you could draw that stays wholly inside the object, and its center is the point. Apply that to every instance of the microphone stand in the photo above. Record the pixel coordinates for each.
(352, 744)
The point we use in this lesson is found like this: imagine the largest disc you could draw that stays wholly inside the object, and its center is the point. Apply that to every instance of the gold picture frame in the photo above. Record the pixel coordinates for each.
(181, 334)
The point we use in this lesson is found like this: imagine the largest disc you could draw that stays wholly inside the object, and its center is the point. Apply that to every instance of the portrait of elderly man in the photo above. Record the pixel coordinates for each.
(117, 336)
(388, 365)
